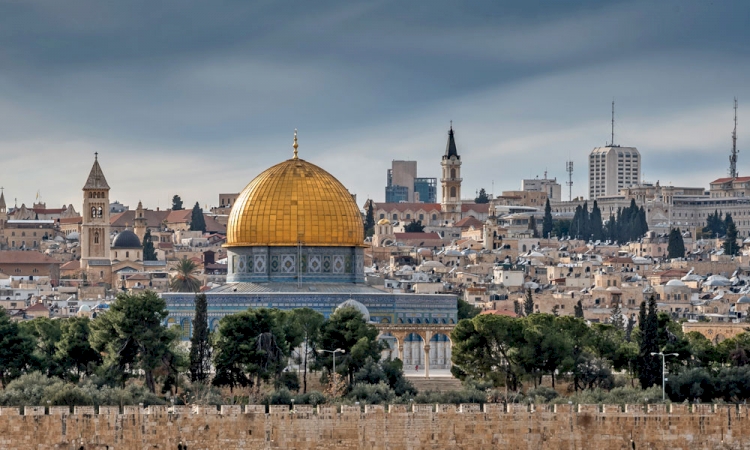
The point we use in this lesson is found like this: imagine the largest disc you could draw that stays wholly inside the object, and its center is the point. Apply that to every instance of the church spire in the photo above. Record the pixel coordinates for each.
(96, 178)
(2, 199)
(450, 149)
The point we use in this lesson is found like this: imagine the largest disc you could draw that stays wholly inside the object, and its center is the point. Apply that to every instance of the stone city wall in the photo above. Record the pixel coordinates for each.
(378, 427)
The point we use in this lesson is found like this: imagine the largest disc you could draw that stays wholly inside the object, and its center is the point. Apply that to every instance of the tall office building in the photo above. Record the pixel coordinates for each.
(611, 169)
(404, 186)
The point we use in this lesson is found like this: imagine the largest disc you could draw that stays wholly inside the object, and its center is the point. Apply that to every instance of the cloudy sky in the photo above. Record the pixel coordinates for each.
(197, 98)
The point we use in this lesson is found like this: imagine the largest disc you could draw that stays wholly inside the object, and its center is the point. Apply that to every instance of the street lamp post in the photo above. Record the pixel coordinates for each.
(663, 371)
(333, 352)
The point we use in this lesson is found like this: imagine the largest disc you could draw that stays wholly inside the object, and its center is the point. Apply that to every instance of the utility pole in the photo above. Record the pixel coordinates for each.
(733, 156)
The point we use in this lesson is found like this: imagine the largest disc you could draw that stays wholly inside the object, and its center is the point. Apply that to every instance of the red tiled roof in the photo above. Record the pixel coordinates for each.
(500, 312)
(728, 179)
(25, 257)
(47, 211)
(468, 222)
(37, 307)
(401, 207)
(71, 265)
(481, 208)
(425, 236)
(71, 220)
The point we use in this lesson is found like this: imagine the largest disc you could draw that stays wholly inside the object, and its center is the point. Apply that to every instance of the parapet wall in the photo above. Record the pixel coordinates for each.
(378, 427)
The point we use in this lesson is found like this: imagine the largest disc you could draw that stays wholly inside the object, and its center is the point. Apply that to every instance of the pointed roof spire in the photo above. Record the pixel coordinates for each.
(450, 149)
(96, 178)
(2, 198)
(295, 145)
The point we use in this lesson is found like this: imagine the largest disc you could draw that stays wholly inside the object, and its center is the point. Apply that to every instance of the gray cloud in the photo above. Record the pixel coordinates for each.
(197, 98)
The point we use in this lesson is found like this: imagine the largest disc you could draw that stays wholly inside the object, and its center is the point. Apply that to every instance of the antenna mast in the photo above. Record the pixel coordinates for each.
(612, 141)
(733, 156)
(569, 169)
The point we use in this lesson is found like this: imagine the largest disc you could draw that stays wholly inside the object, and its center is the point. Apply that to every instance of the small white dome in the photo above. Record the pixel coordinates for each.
(675, 283)
(357, 305)
(84, 308)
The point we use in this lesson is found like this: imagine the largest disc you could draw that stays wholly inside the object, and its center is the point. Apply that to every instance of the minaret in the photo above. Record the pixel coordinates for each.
(451, 181)
(95, 226)
(139, 224)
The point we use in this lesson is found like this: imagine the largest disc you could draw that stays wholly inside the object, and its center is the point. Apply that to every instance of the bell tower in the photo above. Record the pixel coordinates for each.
(451, 181)
(139, 223)
(95, 224)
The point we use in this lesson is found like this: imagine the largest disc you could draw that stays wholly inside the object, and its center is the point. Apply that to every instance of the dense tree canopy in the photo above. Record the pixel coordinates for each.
(131, 337)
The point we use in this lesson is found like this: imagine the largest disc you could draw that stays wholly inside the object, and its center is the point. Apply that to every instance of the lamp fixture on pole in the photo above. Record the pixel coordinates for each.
(663, 371)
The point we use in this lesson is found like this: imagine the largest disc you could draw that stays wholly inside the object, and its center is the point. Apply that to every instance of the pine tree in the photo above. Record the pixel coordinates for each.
(676, 245)
(197, 221)
(616, 318)
(528, 303)
(200, 345)
(176, 203)
(547, 221)
(482, 197)
(730, 239)
(578, 309)
(149, 253)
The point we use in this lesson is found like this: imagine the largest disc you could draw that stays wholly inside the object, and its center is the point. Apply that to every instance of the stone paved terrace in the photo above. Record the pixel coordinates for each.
(397, 427)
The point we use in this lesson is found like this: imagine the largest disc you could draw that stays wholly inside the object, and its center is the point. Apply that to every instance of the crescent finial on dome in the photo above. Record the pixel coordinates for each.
(295, 145)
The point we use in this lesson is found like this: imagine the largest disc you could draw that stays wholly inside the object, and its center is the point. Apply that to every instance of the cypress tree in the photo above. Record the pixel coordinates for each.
(649, 367)
(369, 220)
(200, 346)
(528, 303)
(730, 240)
(676, 245)
(585, 222)
(197, 221)
(547, 221)
(532, 227)
(595, 223)
(149, 253)
(578, 309)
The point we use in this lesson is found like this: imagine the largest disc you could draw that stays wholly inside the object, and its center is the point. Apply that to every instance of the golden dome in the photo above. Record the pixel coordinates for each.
(384, 222)
(295, 202)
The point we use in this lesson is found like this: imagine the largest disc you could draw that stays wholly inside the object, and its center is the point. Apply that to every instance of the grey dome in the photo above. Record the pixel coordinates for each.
(359, 306)
(744, 299)
(126, 239)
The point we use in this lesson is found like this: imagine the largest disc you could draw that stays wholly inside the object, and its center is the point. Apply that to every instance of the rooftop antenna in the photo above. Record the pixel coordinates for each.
(733, 156)
(612, 141)
(569, 169)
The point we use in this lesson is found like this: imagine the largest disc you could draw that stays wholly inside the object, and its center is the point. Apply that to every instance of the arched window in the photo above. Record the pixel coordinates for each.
(96, 237)
(453, 173)
(453, 191)
(93, 212)
(127, 254)
(100, 212)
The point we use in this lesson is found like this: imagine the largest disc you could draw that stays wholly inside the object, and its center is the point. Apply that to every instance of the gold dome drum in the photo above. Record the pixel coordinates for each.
(295, 222)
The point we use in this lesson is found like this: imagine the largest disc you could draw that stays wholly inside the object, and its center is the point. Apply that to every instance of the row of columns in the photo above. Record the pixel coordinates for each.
(414, 356)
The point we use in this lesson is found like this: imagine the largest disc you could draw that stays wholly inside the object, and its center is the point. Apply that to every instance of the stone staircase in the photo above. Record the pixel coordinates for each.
(436, 384)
